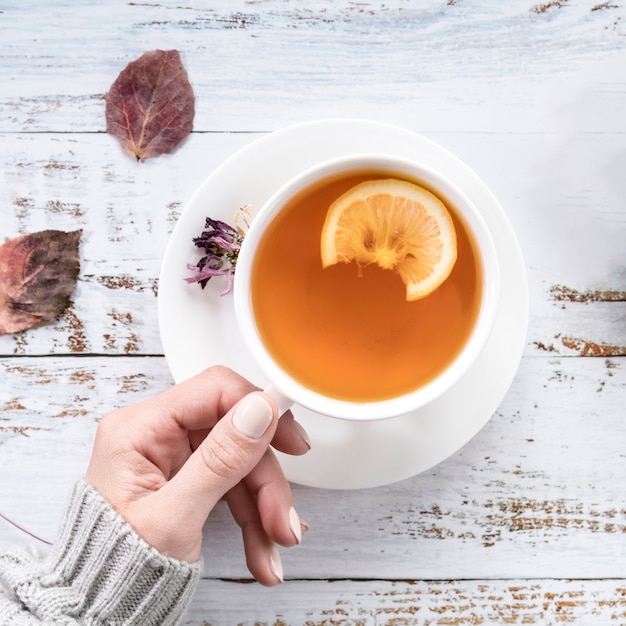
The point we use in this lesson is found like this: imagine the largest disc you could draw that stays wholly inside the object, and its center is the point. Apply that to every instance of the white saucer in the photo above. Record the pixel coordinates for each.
(198, 326)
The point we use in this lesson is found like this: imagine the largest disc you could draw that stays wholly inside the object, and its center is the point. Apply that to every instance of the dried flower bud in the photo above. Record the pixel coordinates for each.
(221, 244)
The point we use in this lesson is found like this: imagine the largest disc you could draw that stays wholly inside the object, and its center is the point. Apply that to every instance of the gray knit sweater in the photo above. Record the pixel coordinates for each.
(100, 572)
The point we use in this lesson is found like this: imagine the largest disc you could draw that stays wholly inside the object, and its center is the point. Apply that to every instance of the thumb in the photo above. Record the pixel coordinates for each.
(229, 453)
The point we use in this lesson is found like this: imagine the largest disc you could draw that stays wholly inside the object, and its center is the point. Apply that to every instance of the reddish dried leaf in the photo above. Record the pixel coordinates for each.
(38, 273)
(150, 106)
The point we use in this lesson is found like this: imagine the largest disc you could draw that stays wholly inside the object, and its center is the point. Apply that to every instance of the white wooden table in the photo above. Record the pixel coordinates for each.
(526, 524)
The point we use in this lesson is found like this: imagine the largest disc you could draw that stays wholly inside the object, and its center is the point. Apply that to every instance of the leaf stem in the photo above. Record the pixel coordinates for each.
(6, 519)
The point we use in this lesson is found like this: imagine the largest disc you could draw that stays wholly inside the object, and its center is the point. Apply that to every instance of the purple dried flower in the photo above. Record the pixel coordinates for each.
(221, 244)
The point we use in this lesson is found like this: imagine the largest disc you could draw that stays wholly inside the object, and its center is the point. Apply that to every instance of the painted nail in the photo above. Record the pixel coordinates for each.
(276, 564)
(252, 416)
(303, 434)
(295, 525)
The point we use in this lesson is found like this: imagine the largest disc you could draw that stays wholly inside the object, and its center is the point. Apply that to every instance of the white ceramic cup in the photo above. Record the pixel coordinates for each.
(288, 391)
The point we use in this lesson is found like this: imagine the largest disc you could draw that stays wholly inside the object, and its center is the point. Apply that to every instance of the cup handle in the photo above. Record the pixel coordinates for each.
(284, 403)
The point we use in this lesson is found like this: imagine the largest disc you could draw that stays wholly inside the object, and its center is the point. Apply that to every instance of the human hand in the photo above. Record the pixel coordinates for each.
(165, 462)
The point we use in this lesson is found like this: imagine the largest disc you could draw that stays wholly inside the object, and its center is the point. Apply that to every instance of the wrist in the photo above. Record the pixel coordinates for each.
(126, 578)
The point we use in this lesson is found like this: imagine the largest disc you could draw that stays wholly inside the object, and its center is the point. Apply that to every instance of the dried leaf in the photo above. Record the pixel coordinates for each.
(150, 106)
(38, 273)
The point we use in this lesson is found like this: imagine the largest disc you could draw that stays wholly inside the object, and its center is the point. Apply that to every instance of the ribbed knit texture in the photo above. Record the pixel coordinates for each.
(100, 572)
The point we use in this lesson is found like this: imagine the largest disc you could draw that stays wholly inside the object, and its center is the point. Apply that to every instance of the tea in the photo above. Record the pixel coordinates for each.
(348, 332)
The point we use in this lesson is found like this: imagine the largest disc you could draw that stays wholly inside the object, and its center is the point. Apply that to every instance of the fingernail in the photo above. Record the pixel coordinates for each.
(303, 434)
(304, 525)
(276, 564)
(295, 525)
(252, 416)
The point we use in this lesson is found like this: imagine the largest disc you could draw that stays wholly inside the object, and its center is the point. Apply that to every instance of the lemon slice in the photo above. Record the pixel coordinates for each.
(396, 224)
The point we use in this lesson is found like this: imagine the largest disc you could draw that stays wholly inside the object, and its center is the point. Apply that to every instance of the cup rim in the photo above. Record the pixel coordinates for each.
(412, 400)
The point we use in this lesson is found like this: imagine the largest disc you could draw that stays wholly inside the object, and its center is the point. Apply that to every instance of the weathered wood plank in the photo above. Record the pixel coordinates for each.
(261, 65)
(534, 494)
(410, 603)
(127, 211)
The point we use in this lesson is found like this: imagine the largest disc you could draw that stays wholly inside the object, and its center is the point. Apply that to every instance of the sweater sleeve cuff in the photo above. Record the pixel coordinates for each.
(101, 571)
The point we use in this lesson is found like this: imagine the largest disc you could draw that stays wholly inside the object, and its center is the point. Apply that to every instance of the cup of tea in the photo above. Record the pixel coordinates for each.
(344, 340)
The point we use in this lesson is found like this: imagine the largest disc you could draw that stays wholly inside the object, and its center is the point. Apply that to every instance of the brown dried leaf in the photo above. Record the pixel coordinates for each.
(38, 273)
(150, 106)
